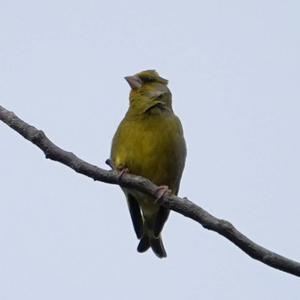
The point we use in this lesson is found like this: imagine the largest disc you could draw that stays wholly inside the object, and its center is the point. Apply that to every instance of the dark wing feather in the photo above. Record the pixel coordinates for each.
(160, 220)
(136, 216)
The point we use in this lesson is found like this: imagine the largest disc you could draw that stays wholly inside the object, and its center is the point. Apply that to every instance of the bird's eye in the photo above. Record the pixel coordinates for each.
(160, 97)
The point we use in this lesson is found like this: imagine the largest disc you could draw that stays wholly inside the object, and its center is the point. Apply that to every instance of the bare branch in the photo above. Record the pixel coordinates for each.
(181, 205)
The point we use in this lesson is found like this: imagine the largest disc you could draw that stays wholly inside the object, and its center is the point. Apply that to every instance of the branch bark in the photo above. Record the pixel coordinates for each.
(182, 206)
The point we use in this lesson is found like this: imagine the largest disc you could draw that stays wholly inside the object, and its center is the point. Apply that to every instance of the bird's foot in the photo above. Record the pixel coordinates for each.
(161, 191)
(122, 172)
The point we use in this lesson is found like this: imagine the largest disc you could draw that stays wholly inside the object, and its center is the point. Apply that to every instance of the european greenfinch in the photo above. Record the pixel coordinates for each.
(149, 142)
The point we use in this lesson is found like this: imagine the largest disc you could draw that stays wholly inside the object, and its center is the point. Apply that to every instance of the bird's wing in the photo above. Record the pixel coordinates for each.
(160, 220)
(136, 216)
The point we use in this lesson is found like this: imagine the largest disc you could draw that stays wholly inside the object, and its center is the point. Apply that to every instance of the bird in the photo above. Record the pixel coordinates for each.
(149, 142)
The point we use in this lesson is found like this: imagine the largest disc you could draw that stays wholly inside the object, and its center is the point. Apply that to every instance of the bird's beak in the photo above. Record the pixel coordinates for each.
(134, 81)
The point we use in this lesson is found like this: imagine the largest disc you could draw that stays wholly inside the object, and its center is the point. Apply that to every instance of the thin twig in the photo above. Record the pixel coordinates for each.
(181, 205)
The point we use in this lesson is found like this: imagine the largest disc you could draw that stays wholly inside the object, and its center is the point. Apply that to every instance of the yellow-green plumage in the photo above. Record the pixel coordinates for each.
(149, 142)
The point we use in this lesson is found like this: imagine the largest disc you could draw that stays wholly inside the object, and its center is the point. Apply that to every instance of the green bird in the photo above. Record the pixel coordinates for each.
(149, 142)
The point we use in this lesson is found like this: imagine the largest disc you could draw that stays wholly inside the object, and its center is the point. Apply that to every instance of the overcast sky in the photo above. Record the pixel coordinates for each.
(234, 71)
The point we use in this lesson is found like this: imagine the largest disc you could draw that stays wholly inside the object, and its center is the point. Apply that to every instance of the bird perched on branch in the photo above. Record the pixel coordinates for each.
(149, 142)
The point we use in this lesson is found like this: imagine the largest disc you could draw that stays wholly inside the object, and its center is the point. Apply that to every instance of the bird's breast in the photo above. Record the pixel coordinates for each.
(153, 148)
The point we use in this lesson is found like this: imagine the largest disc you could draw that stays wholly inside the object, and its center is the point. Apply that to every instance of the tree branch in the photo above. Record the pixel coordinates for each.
(181, 205)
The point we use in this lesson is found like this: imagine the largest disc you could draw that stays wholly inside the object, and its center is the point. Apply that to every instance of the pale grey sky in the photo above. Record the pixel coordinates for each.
(234, 72)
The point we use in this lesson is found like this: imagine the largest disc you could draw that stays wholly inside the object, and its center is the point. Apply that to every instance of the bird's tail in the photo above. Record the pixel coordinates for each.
(157, 246)
(155, 243)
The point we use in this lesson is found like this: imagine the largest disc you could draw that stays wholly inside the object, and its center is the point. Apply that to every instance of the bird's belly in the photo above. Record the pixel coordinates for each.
(151, 156)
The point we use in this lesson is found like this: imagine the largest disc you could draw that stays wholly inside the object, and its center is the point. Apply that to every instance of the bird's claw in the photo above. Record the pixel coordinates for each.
(161, 191)
(122, 172)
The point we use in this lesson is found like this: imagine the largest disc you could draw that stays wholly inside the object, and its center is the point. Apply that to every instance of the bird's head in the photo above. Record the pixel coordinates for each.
(149, 91)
